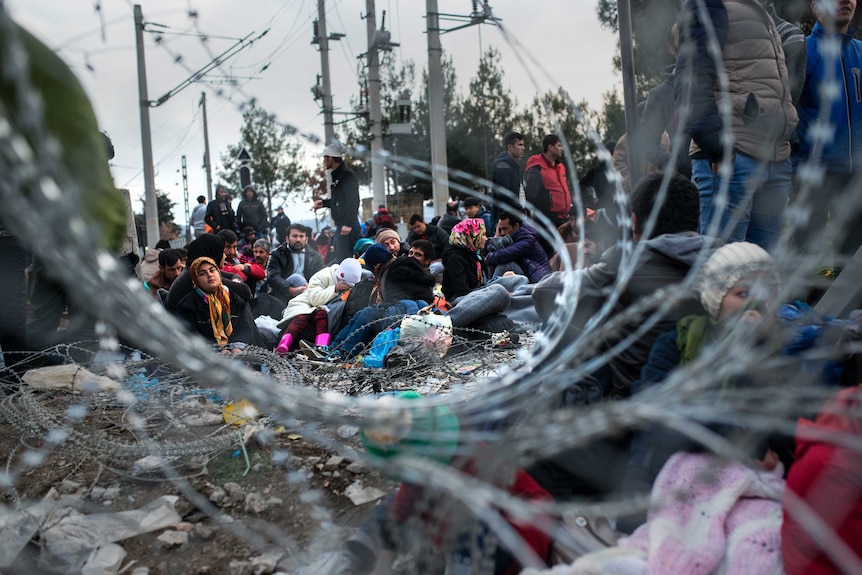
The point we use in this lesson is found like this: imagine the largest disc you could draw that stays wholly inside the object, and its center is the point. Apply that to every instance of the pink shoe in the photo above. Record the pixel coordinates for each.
(322, 340)
(283, 347)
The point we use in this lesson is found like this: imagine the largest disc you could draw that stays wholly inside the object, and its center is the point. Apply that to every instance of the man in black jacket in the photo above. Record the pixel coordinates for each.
(220, 215)
(292, 264)
(508, 175)
(343, 202)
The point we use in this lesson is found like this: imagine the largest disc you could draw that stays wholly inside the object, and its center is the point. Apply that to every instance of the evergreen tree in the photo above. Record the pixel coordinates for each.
(276, 167)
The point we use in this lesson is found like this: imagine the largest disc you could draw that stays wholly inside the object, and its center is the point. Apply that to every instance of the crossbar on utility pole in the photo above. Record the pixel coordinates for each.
(151, 214)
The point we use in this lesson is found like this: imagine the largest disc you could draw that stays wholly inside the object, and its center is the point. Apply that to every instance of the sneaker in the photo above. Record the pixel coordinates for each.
(311, 351)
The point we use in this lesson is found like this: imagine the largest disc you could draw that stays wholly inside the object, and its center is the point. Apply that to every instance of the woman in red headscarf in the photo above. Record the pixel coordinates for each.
(213, 311)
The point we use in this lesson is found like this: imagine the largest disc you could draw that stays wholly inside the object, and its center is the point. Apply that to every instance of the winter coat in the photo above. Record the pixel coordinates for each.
(526, 251)
(220, 216)
(459, 272)
(664, 262)
(447, 222)
(196, 221)
(404, 278)
(507, 174)
(251, 212)
(183, 285)
(659, 118)
(344, 201)
(280, 267)
(438, 238)
(844, 152)
(280, 223)
(149, 265)
(547, 189)
(762, 113)
(828, 478)
(321, 290)
(194, 313)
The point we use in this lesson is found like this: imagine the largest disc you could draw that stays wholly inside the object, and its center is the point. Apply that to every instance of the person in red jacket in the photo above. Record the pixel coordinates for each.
(547, 189)
(827, 476)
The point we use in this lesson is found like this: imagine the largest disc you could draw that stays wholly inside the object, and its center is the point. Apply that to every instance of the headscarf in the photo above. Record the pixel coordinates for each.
(469, 234)
(207, 246)
(218, 302)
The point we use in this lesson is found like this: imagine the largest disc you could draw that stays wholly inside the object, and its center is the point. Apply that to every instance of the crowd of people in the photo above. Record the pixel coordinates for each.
(683, 267)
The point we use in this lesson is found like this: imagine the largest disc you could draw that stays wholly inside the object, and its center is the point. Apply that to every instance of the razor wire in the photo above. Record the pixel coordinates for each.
(302, 388)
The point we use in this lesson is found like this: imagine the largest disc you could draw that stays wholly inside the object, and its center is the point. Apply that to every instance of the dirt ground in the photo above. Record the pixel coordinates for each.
(287, 525)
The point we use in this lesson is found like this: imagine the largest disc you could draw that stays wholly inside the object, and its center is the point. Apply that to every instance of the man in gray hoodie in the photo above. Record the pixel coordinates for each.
(666, 256)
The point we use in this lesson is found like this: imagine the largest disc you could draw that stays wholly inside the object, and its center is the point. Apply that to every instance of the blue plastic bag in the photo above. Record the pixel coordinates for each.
(385, 340)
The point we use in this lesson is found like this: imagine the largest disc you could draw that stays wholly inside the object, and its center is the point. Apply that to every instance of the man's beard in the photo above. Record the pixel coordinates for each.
(296, 246)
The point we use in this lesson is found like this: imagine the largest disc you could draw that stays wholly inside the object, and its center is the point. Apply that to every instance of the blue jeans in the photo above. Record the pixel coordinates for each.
(755, 199)
(370, 321)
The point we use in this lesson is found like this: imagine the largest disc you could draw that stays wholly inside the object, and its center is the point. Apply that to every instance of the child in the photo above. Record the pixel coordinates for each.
(309, 306)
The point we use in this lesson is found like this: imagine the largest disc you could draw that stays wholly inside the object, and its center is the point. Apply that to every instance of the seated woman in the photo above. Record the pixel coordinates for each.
(213, 311)
(211, 246)
(309, 307)
(463, 270)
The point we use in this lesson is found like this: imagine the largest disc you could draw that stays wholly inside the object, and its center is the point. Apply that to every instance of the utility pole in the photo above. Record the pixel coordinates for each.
(207, 165)
(323, 40)
(151, 214)
(439, 166)
(627, 64)
(186, 198)
(375, 118)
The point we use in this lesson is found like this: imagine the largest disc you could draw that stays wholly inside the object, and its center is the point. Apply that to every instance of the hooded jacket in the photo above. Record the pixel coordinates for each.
(344, 203)
(404, 278)
(844, 152)
(665, 261)
(547, 188)
(251, 212)
(460, 275)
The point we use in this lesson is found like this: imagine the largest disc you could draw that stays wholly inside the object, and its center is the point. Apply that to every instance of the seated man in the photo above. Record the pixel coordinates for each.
(390, 239)
(668, 254)
(402, 287)
(170, 268)
(429, 232)
(292, 264)
(524, 256)
(246, 244)
(423, 251)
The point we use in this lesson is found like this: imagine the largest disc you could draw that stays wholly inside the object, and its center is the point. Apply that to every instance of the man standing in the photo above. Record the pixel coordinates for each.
(219, 215)
(547, 189)
(343, 202)
(762, 117)
(292, 264)
(841, 153)
(251, 213)
(196, 221)
(280, 223)
(507, 174)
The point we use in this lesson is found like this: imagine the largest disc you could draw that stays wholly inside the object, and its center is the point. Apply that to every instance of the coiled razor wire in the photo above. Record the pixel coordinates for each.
(523, 390)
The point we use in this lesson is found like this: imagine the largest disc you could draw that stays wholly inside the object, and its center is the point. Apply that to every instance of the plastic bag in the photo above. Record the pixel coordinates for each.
(433, 330)
(376, 353)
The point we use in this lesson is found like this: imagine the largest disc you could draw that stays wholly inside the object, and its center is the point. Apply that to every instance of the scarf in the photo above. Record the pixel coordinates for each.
(217, 302)
(470, 235)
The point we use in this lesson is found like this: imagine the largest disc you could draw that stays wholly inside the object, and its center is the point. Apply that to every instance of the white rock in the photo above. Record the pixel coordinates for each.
(234, 494)
(359, 467)
(254, 503)
(69, 486)
(217, 495)
(141, 571)
(97, 493)
(173, 538)
(274, 502)
(333, 462)
(360, 495)
(105, 560)
(111, 493)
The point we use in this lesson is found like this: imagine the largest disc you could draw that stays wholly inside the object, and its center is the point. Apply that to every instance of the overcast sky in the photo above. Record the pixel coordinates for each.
(560, 44)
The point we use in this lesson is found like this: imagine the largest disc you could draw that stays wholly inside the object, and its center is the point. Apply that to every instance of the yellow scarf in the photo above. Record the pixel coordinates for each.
(218, 303)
